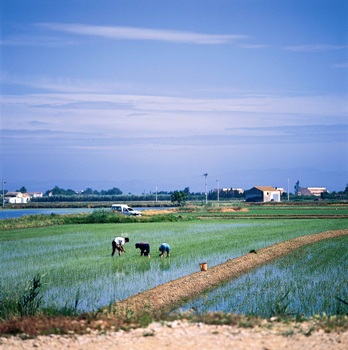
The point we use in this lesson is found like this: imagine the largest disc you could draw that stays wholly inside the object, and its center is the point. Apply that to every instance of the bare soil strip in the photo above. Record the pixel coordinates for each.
(166, 296)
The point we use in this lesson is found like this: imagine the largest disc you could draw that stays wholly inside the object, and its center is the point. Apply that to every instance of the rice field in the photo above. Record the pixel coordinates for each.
(76, 264)
(306, 282)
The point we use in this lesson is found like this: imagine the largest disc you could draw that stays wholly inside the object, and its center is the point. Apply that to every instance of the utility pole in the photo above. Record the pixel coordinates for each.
(288, 190)
(206, 191)
(3, 195)
(218, 190)
(156, 194)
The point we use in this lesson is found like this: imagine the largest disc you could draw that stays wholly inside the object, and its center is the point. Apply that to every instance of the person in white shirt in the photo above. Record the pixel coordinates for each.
(118, 243)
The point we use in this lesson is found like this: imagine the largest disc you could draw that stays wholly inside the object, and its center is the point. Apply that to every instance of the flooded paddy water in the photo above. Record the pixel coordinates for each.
(76, 264)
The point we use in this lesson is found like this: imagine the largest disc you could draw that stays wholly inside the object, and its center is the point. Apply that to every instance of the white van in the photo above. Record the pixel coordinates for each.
(125, 209)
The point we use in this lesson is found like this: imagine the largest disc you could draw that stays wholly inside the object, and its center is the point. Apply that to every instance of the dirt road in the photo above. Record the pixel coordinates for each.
(184, 335)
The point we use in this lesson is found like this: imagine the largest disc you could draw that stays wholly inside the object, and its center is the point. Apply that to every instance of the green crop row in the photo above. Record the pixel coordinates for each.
(310, 281)
(79, 272)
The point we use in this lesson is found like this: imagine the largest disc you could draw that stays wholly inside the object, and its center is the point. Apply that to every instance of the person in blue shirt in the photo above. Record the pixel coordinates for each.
(164, 248)
(144, 248)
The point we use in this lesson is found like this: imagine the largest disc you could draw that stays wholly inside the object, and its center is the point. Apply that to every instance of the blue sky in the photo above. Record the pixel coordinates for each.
(146, 94)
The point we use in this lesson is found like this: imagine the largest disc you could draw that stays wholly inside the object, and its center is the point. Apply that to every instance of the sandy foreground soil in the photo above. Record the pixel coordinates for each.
(185, 335)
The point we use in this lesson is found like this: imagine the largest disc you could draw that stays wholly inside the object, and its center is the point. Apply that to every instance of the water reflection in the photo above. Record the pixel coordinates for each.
(144, 266)
(120, 269)
(165, 264)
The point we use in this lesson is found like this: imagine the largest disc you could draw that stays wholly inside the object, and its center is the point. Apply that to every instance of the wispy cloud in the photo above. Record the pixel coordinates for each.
(68, 85)
(340, 65)
(300, 105)
(36, 40)
(254, 46)
(308, 133)
(136, 33)
(94, 140)
(315, 48)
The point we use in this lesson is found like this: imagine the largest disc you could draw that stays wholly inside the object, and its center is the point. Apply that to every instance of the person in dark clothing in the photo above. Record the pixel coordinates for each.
(144, 248)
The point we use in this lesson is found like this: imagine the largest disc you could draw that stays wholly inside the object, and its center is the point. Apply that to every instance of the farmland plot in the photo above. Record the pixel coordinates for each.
(77, 265)
(307, 282)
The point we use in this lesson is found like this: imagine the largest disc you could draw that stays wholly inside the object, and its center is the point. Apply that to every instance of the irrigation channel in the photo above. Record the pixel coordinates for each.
(167, 296)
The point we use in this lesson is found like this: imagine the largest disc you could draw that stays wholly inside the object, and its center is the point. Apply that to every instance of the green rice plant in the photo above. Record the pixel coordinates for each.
(31, 221)
(8, 305)
(281, 305)
(66, 310)
(304, 282)
(284, 209)
(76, 259)
(25, 303)
(188, 213)
(339, 309)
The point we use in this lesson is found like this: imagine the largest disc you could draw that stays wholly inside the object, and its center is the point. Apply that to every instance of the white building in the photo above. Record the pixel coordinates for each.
(239, 190)
(311, 191)
(17, 197)
(35, 194)
(317, 191)
(262, 194)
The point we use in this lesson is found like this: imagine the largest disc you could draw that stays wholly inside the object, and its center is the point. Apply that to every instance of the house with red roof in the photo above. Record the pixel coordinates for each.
(262, 194)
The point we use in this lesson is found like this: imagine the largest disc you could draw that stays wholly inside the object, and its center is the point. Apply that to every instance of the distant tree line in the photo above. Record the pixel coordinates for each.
(58, 194)
(101, 198)
(225, 194)
(343, 195)
(22, 190)
(178, 197)
(57, 191)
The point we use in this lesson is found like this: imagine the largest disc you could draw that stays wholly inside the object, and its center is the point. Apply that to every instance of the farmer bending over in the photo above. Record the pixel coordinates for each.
(144, 248)
(164, 247)
(118, 243)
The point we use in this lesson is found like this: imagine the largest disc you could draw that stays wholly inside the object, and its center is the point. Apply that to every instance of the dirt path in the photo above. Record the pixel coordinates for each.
(193, 336)
(166, 296)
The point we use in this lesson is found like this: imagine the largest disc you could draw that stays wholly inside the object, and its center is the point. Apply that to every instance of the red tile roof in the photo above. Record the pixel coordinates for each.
(266, 188)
